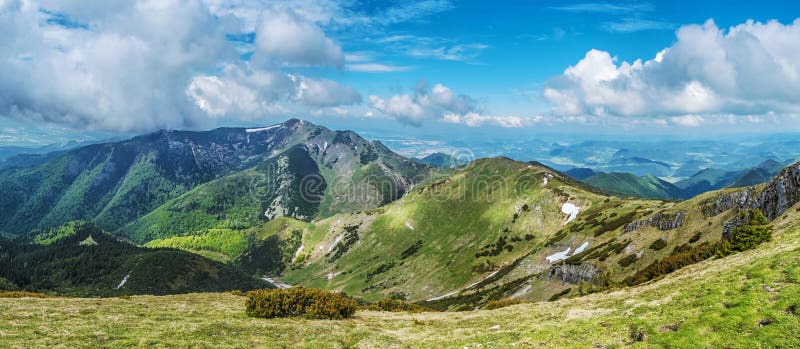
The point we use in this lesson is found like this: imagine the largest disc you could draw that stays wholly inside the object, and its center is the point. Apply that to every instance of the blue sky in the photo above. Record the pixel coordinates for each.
(430, 67)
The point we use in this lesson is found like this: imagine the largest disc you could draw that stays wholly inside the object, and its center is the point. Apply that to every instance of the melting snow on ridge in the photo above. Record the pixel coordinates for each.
(558, 255)
(277, 283)
(555, 257)
(581, 248)
(335, 242)
(122, 283)
(465, 288)
(251, 130)
(571, 210)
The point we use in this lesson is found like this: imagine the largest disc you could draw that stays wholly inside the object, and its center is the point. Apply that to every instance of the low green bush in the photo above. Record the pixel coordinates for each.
(502, 303)
(24, 294)
(303, 302)
(394, 305)
(658, 244)
(756, 231)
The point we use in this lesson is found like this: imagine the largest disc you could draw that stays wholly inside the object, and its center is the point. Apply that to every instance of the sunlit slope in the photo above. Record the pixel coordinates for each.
(441, 236)
(746, 300)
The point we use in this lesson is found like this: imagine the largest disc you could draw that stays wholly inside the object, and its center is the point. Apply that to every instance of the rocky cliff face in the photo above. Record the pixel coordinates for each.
(715, 206)
(114, 184)
(660, 221)
(778, 195)
(572, 274)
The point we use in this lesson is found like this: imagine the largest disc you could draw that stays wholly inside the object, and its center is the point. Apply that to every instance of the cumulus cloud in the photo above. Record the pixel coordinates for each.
(324, 93)
(424, 103)
(376, 68)
(473, 119)
(104, 70)
(688, 120)
(148, 64)
(295, 40)
(751, 68)
(248, 92)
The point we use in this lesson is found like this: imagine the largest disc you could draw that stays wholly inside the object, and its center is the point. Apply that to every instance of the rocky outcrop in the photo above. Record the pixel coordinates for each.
(572, 274)
(779, 194)
(714, 206)
(660, 221)
(782, 192)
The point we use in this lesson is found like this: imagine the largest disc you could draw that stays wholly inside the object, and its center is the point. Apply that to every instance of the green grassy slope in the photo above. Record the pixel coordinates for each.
(627, 184)
(80, 259)
(288, 184)
(442, 236)
(748, 300)
(115, 184)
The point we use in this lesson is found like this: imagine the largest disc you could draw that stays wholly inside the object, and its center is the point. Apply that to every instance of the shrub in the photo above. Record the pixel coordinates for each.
(658, 244)
(558, 295)
(308, 303)
(628, 260)
(24, 294)
(394, 305)
(756, 231)
(502, 303)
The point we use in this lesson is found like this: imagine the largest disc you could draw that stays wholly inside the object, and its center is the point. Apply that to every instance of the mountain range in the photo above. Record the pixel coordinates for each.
(296, 203)
(652, 187)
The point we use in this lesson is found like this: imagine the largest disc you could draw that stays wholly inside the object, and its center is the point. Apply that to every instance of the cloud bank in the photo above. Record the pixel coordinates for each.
(147, 64)
(423, 104)
(752, 68)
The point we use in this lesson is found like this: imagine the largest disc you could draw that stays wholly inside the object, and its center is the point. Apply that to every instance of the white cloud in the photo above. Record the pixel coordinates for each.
(324, 93)
(248, 93)
(461, 52)
(688, 120)
(295, 40)
(116, 67)
(628, 25)
(376, 68)
(219, 97)
(148, 64)
(752, 68)
(604, 8)
(423, 104)
(402, 107)
(473, 119)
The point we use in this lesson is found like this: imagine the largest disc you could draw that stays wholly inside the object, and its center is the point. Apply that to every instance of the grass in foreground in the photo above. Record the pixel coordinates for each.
(745, 300)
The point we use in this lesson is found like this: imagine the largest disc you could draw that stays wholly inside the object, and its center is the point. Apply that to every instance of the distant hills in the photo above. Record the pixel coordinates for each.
(81, 260)
(297, 203)
(651, 187)
(444, 160)
(115, 185)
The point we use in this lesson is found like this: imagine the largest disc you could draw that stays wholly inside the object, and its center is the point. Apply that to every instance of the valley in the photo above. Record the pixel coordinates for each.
(332, 211)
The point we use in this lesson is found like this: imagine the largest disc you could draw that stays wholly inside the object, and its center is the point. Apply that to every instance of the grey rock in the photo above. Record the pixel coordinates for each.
(572, 274)
(660, 221)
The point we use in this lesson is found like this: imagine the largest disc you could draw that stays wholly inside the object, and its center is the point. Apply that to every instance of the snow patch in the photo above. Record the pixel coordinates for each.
(409, 226)
(335, 242)
(555, 257)
(571, 210)
(332, 275)
(300, 249)
(275, 282)
(546, 178)
(581, 248)
(122, 283)
(261, 129)
(464, 288)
